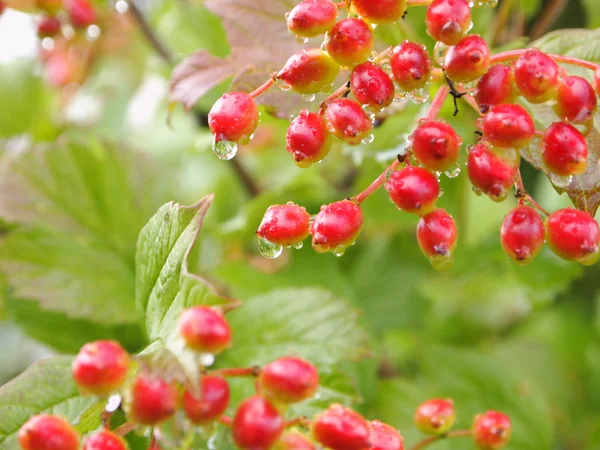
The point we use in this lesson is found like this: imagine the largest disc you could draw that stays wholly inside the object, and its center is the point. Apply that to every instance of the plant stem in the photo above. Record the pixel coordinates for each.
(379, 181)
(438, 102)
(246, 179)
(265, 86)
(512, 55)
(522, 194)
(226, 420)
(124, 429)
(430, 440)
(236, 372)
(152, 38)
(302, 421)
(548, 16)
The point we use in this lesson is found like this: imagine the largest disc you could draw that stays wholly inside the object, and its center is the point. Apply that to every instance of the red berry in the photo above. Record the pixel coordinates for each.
(411, 66)
(211, 403)
(233, 117)
(384, 437)
(491, 430)
(340, 428)
(573, 235)
(575, 100)
(348, 121)
(536, 76)
(285, 225)
(289, 380)
(508, 126)
(81, 13)
(257, 425)
(309, 71)
(308, 139)
(522, 234)
(105, 440)
(448, 20)
(435, 416)
(48, 27)
(437, 236)
(336, 227)
(597, 80)
(46, 432)
(204, 329)
(371, 86)
(152, 400)
(413, 189)
(493, 171)
(100, 367)
(350, 42)
(379, 11)
(497, 86)
(311, 18)
(436, 145)
(294, 441)
(467, 60)
(564, 149)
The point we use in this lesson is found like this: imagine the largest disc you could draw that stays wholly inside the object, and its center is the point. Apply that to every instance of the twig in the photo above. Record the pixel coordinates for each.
(245, 177)
(548, 16)
(124, 429)
(152, 38)
(430, 440)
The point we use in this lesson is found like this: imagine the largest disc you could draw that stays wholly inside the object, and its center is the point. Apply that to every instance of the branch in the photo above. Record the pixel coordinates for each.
(152, 38)
(548, 16)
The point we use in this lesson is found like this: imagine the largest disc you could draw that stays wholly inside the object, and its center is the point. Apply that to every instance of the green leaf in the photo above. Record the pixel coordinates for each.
(579, 43)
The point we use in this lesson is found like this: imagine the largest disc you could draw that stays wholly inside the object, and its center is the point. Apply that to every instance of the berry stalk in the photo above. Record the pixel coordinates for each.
(513, 55)
(236, 372)
(523, 195)
(430, 440)
(264, 87)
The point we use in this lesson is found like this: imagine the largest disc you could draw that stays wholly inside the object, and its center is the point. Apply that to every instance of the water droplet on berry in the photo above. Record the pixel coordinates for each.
(439, 53)
(206, 359)
(225, 150)
(492, 3)
(281, 84)
(442, 263)
(113, 403)
(339, 251)
(419, 96)
(298, 245)
(309, 98)
(561, 181)
(367, 140)
(477, 191)
(470, 26)
(453, 171)
(301, 40)
(268, 249)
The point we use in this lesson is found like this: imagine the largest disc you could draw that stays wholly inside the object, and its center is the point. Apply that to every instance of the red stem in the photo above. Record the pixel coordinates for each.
(512, 55)
(522, 194)
(264, 87)
(303, 421)
(430, 440)
(376, 184)
(124, 429)
(236, 372)
(226, 420)
(438, 102)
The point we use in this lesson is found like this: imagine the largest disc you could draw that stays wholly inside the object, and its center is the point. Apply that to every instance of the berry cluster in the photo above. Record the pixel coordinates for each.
(491, 84)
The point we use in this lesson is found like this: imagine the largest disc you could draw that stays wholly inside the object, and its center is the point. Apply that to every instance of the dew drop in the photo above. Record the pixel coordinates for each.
(561, 181)
(298, 245)
(439, 53)
(477, 191)
(268, 249)
(281, 84)
(47, 43)
(225, 150)
(206, 359)
(113, 403)
(470, 26)
(442, 263)
(419, 96)
(388, 174)
(92, 33)
(301, 40)
(367, 140)
(453, 171)
(339, 251)
(309, 98)
(492, 3)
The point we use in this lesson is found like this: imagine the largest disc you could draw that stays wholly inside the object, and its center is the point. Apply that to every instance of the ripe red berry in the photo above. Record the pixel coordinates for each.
(497, 86)
(564, 149)
(105, 440)
(48, 27)
(233, 117)
(311, 18)
(340, 428)
(536, 76)
(467, 60)
(257, 425)
(575, 100)
(46, 432)
(371, 86)
(100, 367)
(350, 42)
(573, 235)
(411, 66)
(285, 224)
(491, 430)
(204, 329)
(308, 139)
(493, 171)
(379, 11)
(435, 416)
(448, 20)
(436, 145)
(522, 234)
(309, 71)
(152, 400)
(508, 126)
(384, 437)
(293, 440)
(336, 227)
(81, 13)
(211, 403)
(437, 236)
(348, 121)
(413, 189)
(289, 380)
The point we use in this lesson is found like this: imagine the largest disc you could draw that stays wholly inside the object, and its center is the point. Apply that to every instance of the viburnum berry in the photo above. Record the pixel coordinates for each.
(436, 145)
(233, 118)
(497, 86)
(289, 380)
(522, 234)
(100, 367)
(257, 425)
(508, 126)
(448, 20)
(379, 11)
(384, 437)
(371, 86)
(564, 149)
(48, 27)
(437, 236)
(47, 432)
(491, 430)
(536, 76)
(293, 440)
(309, 71)
(413, 189)
(339, 428)
(211, 400)
(336, 227)
(151, 400)
(491, 170)
(105, 440)
(575, 100)
(285, 225)
(411, 66)
(350, 42)
(435, 416)
(573, 235)
(311, 18)
(468, 59)
(81, 13)
(204, 329)
(308, 139)
(348, 121)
